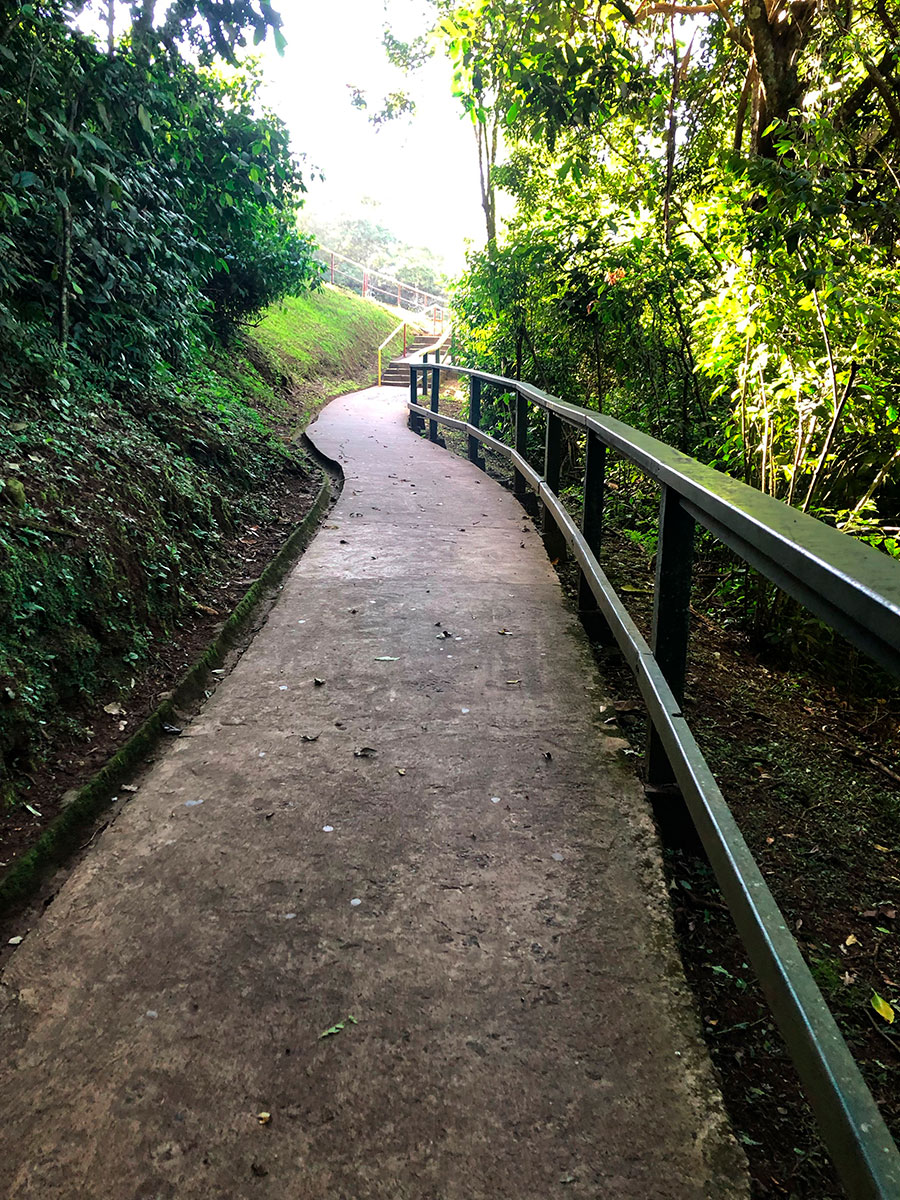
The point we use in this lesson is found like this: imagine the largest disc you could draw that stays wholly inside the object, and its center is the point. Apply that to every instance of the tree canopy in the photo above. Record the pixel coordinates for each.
(705, 230)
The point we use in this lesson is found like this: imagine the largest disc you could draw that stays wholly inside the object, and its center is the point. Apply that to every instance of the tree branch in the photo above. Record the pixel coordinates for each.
(884, 89)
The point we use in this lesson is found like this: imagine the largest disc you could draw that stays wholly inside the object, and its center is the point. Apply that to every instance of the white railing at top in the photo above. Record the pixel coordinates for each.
(378, 285)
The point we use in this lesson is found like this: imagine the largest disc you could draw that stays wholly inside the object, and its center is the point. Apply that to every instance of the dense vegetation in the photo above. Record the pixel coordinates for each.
(147, 210)
(705, 231)
(369, 242)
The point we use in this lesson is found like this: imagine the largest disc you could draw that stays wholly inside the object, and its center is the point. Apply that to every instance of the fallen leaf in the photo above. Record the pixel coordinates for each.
(15, 941)
(333, 1029)
(309, 737)
(34, 812)
(365, 752)
(847, 978)
(547, 755)
(174, 730)
(386, 658)
(883, 849)
(401, 770)
(882, 1007)
(513, 681)
(318, 682)
(851, 940)
(204, 608)
(115, 709)
(505, 632)
(264, 1118)
(128, 787)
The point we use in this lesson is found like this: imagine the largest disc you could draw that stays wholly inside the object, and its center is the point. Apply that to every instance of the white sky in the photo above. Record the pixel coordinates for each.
(422, 175)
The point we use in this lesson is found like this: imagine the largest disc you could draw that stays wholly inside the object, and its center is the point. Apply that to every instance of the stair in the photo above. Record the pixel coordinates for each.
(396, 372)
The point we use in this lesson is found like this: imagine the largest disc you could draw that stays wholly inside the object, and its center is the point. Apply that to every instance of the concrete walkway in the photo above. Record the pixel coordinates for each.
(438, 841)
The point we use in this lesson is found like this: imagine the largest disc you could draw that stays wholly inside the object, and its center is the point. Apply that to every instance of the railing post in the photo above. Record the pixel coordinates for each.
(435, 403)
(379, 366)
(592, 528)
(332, 266)
(425, 375)
(404, 339)
(671, 614)
(520, 487)
(475, 419)
(553, 538)
(416, 423)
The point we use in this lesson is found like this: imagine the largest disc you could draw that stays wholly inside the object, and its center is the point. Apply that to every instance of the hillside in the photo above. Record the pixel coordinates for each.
(133, 520)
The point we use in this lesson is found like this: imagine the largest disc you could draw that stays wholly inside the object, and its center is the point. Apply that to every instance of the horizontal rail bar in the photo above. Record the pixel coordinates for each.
(853, 1128)
(849, 585)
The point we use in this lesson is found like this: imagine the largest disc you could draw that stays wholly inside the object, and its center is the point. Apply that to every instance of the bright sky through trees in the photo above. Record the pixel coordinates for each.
(418, 177)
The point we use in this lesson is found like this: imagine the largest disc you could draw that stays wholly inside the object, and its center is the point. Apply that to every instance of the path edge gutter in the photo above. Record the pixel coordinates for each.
(60, 839)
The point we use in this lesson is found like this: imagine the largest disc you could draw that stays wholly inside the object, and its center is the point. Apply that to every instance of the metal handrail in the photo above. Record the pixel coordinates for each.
(404, 325)
(851, 586)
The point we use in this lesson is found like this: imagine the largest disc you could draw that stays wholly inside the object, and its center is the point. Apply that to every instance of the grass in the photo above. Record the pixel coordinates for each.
(325, 342)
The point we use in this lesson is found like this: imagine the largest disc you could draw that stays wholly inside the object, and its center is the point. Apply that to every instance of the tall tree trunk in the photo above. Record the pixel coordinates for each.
(777, 35)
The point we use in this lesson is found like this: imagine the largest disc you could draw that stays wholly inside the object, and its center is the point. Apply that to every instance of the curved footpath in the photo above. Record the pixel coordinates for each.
(458, 862)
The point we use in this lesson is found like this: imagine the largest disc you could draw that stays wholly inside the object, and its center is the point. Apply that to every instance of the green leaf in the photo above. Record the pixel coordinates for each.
(334, 1029)
(280, 40)
(144, 118)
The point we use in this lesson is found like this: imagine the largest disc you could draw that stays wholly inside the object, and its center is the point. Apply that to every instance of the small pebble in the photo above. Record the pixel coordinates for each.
(556, 856)
(151, 1012)
(355, 902)
(495, 799)
(328, 829)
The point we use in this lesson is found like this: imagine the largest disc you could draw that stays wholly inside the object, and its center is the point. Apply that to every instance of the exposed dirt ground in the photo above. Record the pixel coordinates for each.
(805, 747)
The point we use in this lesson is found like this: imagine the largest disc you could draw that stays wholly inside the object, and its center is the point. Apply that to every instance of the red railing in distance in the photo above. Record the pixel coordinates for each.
(376, 285)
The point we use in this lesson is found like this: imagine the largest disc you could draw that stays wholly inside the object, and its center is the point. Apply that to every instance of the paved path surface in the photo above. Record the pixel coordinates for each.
(482, 894)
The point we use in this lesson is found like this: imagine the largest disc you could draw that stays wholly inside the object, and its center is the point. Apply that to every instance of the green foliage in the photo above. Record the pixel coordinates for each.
(366, 241)
(709, 259)
(141, 198)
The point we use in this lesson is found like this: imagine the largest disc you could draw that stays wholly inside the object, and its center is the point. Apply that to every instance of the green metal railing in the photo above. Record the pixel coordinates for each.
(852, 587)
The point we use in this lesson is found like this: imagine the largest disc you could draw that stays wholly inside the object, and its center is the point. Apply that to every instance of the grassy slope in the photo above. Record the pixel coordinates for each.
(326, 343)
(131, 496)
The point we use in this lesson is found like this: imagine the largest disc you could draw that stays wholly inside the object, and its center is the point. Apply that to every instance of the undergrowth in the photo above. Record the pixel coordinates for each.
(120, 494)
